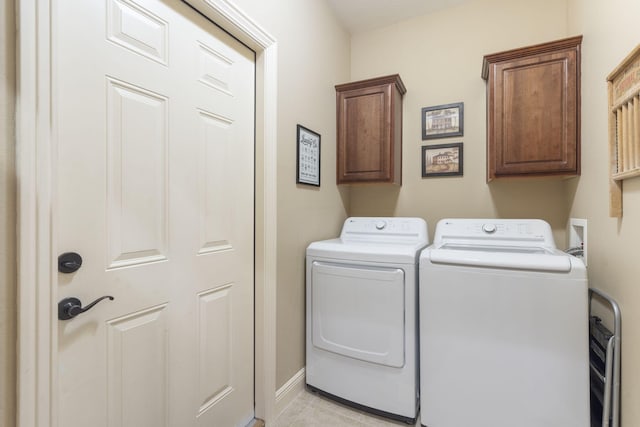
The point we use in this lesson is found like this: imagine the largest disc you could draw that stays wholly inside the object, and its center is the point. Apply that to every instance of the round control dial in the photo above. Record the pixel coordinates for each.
(489, 228)
(381, 224)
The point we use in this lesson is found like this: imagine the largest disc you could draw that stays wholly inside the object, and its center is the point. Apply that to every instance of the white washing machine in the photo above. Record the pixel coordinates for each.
(362, 316)
(503, 328)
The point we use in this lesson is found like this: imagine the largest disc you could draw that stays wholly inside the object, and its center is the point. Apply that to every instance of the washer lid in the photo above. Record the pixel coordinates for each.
(498, 243)
(535, 259)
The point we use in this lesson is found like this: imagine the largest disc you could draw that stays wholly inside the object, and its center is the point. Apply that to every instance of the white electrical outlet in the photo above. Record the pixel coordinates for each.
(578, 236)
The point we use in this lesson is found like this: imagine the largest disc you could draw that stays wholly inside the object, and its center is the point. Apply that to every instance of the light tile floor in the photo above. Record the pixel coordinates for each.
(311, 410)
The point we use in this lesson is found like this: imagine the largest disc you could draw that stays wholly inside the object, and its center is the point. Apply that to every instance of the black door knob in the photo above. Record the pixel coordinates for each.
(69, 308)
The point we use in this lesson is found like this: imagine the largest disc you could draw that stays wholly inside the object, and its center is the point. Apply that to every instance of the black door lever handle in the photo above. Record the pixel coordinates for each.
(69, 308)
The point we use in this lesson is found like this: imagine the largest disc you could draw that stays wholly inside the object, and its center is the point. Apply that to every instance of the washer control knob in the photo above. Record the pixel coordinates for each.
(381, 224)
(489, 228)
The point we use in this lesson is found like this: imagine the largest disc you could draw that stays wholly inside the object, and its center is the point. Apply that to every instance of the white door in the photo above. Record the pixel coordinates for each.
(154, 122)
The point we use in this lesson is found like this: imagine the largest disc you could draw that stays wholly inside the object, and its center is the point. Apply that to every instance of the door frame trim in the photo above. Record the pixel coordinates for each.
(36, 167)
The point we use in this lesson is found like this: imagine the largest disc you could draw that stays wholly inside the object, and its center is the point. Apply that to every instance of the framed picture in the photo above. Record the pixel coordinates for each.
(442, 160)
(443, 121)
(308, 153)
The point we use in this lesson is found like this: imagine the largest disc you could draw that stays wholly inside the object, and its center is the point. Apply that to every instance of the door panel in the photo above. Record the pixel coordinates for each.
(214, 338)
(153, 114)
(137, 175)
(137, 354)
(137, 29)
(215, 217)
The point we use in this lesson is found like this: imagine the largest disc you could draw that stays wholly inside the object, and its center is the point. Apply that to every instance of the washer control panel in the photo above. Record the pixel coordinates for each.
(489, 231)
(489, 228)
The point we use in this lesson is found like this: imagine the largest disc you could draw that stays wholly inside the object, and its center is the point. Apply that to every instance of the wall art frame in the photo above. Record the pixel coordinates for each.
(307, 156)
(443, 121)
(442, 160)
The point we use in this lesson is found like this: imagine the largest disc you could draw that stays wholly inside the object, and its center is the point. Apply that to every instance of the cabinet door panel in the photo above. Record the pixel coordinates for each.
(535, 104)
(369, 122)
(369, 140)
(533, 117)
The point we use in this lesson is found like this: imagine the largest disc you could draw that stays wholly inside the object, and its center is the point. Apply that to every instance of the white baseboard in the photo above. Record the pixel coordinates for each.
(289, 391)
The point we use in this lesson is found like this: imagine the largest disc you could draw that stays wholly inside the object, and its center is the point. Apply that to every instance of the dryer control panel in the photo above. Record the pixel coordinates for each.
(398, 230)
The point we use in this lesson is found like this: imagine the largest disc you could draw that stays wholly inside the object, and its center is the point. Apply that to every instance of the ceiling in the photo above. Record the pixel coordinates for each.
(364, 15)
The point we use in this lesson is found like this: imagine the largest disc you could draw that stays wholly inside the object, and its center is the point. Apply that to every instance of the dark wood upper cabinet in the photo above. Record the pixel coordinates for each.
(533, 110)
(369, 126)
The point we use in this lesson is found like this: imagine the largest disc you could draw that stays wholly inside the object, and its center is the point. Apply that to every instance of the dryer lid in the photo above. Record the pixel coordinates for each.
(376, 239)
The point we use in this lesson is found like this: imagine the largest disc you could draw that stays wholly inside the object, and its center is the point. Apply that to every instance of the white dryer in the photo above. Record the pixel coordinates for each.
(503, 328)
(362, 319)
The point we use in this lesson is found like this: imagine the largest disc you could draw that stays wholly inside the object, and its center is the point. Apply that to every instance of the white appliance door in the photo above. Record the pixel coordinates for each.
(358, 311)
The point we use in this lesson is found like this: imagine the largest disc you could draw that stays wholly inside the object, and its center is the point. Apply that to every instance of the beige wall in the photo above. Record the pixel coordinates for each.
(610, 31)
(313, 56)
(7, 216)
(439, 57)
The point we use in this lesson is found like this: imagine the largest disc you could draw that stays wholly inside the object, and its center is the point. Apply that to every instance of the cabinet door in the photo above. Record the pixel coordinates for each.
(533, 117)
(365, 135)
